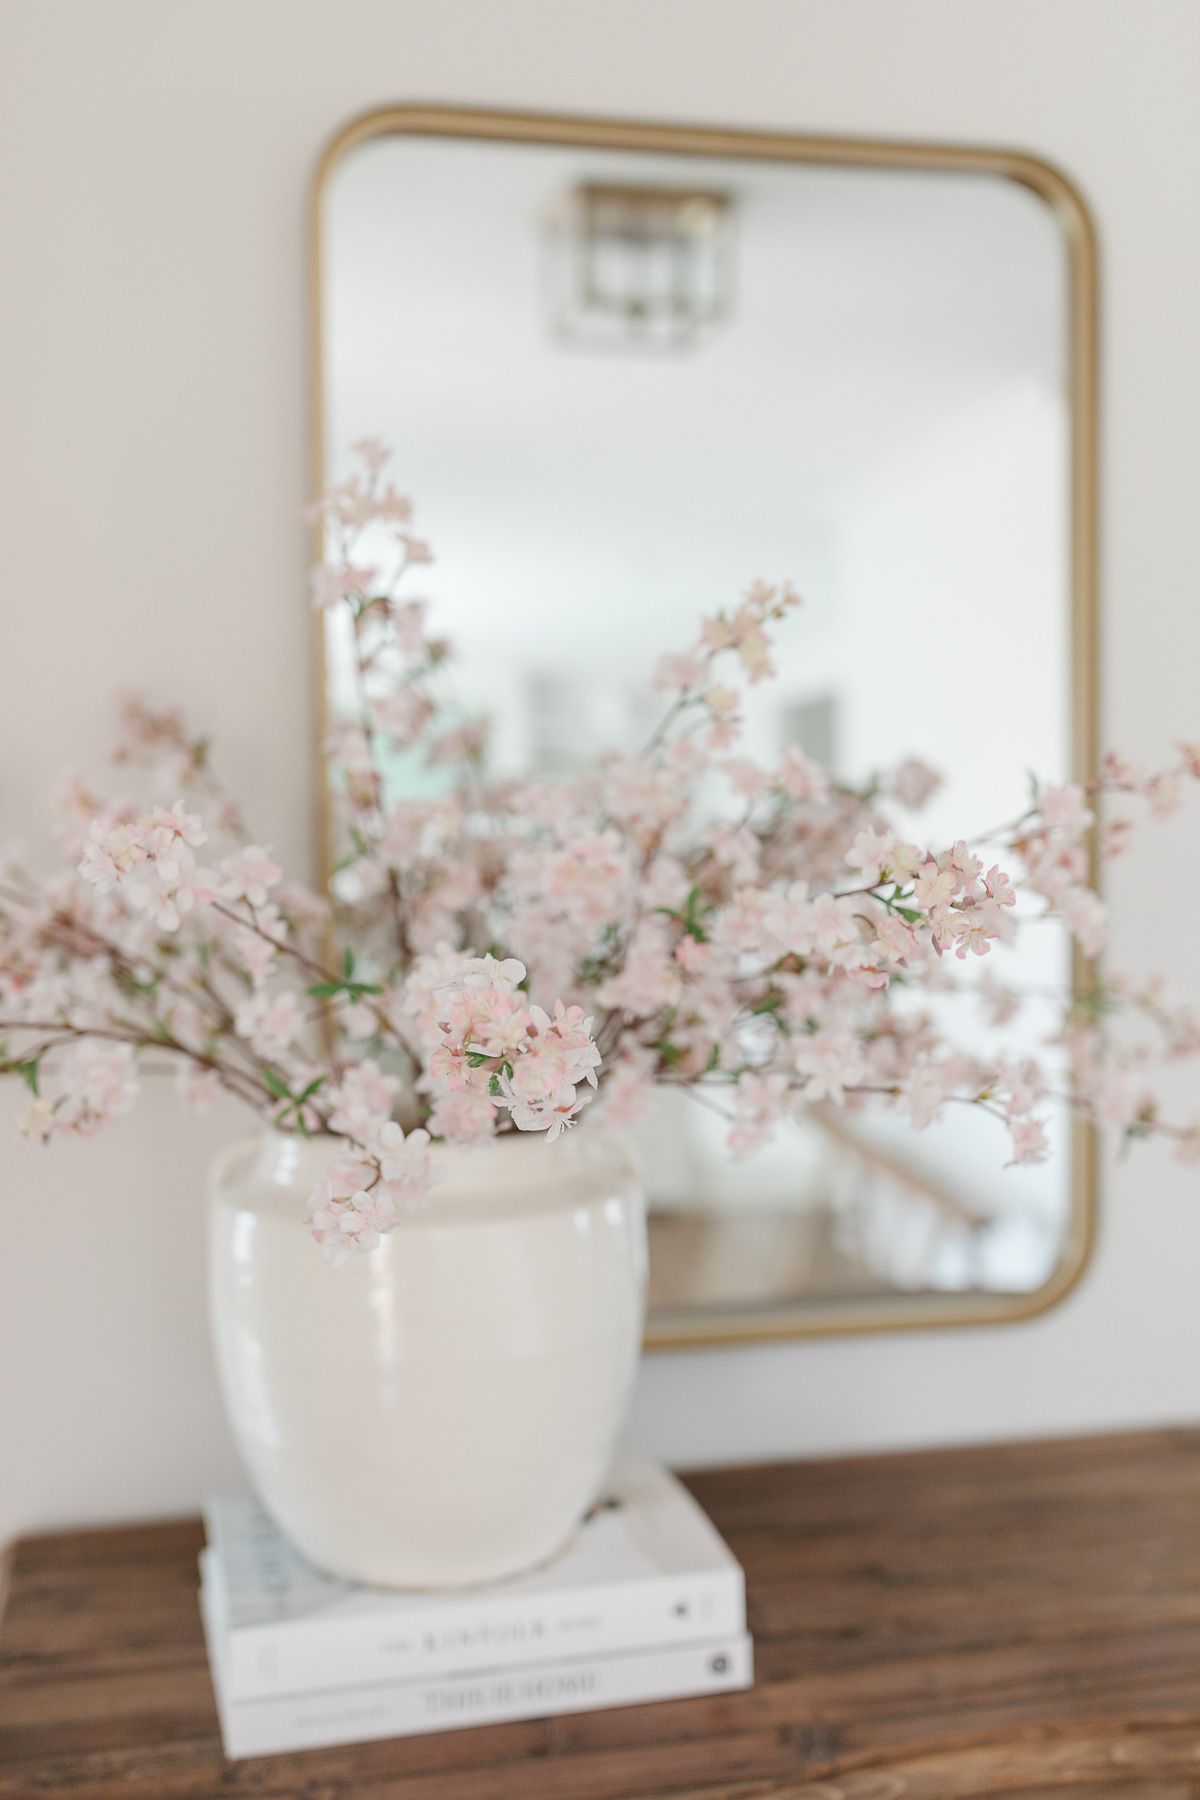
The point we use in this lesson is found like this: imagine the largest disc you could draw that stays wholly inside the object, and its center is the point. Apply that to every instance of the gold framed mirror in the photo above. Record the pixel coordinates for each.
(638, 360)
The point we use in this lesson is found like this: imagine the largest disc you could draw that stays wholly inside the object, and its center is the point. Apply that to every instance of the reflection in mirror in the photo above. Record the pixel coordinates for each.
(623, 384)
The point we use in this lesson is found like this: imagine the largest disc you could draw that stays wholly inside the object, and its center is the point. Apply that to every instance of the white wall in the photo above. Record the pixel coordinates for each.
(153, 162)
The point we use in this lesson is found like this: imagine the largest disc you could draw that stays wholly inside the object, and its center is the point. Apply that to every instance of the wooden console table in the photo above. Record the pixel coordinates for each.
(1021, 1619)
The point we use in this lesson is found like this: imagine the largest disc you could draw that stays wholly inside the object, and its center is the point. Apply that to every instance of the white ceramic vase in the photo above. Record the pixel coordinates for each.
(440, 1411)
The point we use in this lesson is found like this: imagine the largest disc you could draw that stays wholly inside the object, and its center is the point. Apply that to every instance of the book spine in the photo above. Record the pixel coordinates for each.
(493, 1635)
(265, 1727)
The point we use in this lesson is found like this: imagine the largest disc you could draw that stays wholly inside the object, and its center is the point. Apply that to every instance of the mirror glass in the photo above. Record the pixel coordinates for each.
(620, 386)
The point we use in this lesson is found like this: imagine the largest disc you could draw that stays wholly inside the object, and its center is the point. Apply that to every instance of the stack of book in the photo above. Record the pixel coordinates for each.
(646, 1604)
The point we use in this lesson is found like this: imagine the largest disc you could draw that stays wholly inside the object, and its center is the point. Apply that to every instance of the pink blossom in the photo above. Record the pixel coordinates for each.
(975, 929)
(998, 887)
(408, 623)
(271, 1022)
(913, 783)
(111, 851)
(871, 854)
(760, 1103)
(1001, 1003)
(1117, 834)
(347, 1226)
(169, 885)
(37, 1122)
(649, 978)
(757, 920)
(1086, 917)
(333, 582)
(176, 822)
(1118, 772)
(569, 1032)
(99, 1082)
(550, 1113)
(418, 553)
(404, 1163)
(465, 1117)
(737, 849)
(247, 874)
(362, 1101)
(628, 1086)
(895, 940)
(503, 974)
(403, 715)
(493, 1022)
(373, 452)
(256, 950)
(198, 1089)
(801, 778)
(1165, 794)
(641, 798)
(1065, 810)
(834, 924)
(678, 674)
(1029, 1141)
(830, 1062)
(935, 887)
(723, 703)
(747, 779)
(1022, 1085)
(925, 1091)
(591, 877)
(1118, 1098)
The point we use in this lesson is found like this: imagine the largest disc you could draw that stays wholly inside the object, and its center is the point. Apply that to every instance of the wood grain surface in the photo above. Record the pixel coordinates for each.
(1019, 1619)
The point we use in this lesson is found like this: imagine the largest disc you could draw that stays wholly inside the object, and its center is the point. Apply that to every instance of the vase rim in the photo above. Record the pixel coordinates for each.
(477, 1183)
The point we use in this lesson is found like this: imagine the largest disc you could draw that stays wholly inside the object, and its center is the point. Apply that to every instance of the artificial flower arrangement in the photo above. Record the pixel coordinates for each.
(503, 954)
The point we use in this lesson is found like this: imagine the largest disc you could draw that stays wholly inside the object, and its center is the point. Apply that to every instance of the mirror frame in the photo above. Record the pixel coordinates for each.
(709, 1328)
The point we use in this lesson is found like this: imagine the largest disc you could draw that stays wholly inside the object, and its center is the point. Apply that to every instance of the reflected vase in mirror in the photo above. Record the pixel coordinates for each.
(441, 1412)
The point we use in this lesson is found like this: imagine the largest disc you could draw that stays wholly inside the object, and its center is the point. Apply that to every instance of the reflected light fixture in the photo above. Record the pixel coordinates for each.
(637, 267)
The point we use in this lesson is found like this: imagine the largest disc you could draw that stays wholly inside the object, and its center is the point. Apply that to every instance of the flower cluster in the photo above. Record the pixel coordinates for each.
(494, 956)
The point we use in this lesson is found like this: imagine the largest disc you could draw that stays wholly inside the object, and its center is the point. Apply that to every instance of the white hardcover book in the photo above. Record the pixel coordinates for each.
(646, 1569)
(315, 1720)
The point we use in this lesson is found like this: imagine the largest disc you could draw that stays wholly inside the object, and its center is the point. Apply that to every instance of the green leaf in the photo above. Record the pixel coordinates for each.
(30, 1071)
(310, 1090)
(494, 1087)
(324, 990)
(695, 910)
(275, 1086)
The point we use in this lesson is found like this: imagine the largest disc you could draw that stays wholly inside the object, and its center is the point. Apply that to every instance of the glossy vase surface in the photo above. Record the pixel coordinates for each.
(439, 1411)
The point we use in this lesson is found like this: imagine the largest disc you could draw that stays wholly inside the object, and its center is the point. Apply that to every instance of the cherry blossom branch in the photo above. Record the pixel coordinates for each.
(137, 1039)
